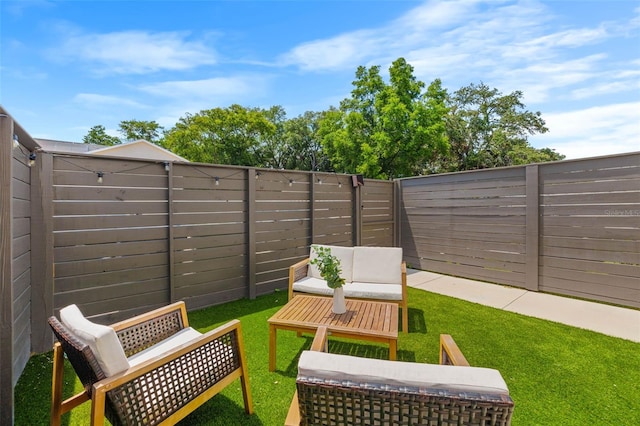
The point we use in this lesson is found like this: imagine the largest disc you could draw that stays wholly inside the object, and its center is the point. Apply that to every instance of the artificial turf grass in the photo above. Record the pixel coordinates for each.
(556, 374)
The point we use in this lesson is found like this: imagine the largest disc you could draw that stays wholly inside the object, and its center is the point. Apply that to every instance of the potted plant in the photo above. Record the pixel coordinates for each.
(329, 267)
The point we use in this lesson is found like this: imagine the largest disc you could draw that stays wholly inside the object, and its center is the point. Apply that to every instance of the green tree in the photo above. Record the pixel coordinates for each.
(135, 129)
(488, 129)
(303, 145)
(232, 135)
(386, 130)
(97, 135)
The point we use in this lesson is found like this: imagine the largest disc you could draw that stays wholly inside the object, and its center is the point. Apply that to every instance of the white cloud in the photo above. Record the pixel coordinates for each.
(227, 87)
(135, 52)
(343, 51)
(94, 100)
(593, 131)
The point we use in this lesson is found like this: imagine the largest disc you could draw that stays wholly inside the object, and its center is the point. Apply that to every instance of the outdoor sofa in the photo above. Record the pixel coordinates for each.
(370, 273)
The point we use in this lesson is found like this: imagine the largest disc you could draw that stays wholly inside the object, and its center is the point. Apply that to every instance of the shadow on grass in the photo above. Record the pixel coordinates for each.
(417, 323)
(221, 410)
(346, 347)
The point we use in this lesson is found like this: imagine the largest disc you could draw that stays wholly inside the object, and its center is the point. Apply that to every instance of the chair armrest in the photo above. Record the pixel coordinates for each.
(450, 354)
(296, 272)
(157, 373)
(145, 330)
(320, 340)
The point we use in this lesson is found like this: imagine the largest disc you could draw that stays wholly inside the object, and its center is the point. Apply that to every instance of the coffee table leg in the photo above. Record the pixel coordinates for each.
(272, 347)
(393, 349)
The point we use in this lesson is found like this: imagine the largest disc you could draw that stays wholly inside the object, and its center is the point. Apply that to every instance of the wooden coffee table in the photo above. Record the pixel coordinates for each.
(364, 320)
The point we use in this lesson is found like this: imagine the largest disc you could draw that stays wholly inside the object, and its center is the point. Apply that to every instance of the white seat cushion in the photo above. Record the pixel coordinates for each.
(181, 337)
(373, 291)
(314, 286)
(345, 368)
(358, 290)
(102, 340)
(344, 254)
(377, 265)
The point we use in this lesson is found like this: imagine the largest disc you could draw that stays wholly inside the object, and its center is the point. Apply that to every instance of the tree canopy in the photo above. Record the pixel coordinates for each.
(488, 129)
(386, 128)
(129, 129)
(231, 135)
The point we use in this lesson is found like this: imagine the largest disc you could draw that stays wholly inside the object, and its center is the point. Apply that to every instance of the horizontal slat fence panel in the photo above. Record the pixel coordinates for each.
(209, 234)
(467, 224)
(378, 209)
(578, 234)
(282, 224)
(333, 221)
(20, 263)
(110, 234)
(590, 226)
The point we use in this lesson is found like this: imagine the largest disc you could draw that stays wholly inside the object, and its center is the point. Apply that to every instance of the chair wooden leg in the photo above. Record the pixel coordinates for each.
(405, 318)
(58, 406)
(56, 384)
(244, 379)
(98, 397)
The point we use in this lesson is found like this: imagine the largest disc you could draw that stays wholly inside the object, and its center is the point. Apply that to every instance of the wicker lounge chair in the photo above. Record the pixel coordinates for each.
(168, 369)
(334, 396)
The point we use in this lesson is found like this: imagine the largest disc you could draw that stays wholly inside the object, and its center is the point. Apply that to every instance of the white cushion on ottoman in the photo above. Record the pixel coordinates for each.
(345, 368)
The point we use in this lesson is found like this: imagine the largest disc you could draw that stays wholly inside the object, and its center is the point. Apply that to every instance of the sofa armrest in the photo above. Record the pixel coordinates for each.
(145, 330)
(210, 362)
(297, 271)
(450, 354)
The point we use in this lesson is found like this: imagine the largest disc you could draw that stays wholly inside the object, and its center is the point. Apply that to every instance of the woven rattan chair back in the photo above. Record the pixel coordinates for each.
(79, 355)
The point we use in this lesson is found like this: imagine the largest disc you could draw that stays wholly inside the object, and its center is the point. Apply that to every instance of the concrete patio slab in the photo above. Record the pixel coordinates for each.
(610, 320)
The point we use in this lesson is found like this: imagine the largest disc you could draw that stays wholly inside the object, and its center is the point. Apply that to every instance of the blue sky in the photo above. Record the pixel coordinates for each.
(69, 65)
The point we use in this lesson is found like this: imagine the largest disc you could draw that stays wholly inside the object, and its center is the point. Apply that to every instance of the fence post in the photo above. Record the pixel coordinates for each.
(396, 199)
(532, 218)
(312, 208)
(251, 232)
(357, 215)
(170, 235)
(6, 279)
(42, 265)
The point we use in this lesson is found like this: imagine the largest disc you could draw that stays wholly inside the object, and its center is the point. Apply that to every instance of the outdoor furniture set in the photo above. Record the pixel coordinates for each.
(155, 369)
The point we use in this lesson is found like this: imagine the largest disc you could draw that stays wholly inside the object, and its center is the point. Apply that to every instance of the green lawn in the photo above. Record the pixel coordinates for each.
(557, 375)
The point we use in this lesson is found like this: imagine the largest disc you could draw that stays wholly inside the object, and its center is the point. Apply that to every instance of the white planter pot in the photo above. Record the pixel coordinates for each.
(339, 305)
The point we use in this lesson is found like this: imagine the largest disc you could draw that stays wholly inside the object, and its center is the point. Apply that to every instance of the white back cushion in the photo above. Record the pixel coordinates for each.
(102, 340)
(381, 265)
(344, 254)
(345, 368)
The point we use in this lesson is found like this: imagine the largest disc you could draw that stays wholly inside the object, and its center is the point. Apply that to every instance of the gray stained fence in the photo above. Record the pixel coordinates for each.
(570, 227)
(126, 236)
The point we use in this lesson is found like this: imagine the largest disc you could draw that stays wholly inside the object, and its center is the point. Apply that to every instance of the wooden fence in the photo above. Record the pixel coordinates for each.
(570, 227)
(126, 236)
(15, 260)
